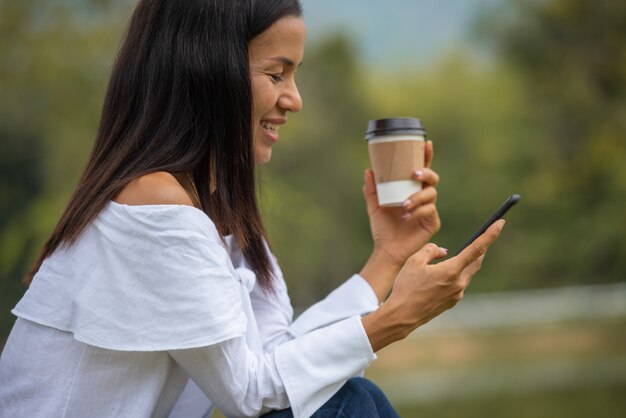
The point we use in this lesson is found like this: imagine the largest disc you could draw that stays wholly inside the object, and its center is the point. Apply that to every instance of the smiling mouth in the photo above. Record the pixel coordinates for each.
(272, 127)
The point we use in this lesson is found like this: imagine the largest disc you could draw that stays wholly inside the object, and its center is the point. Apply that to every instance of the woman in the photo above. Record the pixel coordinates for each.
(157, 294)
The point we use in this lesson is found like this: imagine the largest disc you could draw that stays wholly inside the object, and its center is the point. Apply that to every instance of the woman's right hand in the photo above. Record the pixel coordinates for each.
(422, 290)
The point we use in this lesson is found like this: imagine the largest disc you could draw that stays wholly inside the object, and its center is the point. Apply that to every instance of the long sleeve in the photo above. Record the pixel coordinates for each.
(274, 313)
(353, 297)
(238, 381)
(303, 373)
(327, 356)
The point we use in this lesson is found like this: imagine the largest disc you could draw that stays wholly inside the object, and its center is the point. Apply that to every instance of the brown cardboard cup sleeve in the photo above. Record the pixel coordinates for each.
(393, 161)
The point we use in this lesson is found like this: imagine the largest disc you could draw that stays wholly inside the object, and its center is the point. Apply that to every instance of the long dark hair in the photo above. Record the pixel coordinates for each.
(180, 100)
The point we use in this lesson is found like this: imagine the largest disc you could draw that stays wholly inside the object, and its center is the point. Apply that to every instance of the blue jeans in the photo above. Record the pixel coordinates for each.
(358, 398)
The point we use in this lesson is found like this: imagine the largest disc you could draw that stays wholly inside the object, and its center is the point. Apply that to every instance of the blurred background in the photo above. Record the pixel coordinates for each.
(525, 96)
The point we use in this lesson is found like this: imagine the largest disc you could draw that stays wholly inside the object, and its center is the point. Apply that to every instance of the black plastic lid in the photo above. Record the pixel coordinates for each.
(394, 126)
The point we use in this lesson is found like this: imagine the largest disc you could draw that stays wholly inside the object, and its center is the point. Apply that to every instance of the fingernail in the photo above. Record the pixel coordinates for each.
(418, 173)
(501, 224)
(406, 203)
(445, 250)
(406, 216)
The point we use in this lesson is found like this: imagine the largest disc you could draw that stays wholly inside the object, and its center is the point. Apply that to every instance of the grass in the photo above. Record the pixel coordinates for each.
(596, 402)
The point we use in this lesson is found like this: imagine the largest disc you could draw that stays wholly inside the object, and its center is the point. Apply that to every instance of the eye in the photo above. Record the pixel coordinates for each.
(276, 78)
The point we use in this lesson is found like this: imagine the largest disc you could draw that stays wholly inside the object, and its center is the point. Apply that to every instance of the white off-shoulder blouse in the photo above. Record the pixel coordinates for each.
(151, 314)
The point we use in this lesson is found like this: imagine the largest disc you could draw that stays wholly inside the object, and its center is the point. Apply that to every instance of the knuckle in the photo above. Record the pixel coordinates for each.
(479, 262)
(454, 271)
(413, 260)
(459, 285)
(480, 250)
(437, 226)
(427, 210)
(433, 178)
(448, 270)
(453, 274)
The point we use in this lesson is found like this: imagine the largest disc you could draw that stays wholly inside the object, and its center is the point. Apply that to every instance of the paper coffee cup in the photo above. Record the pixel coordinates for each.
(396, 149)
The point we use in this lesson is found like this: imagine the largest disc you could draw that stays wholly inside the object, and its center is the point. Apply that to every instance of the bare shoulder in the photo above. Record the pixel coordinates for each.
(160, 188)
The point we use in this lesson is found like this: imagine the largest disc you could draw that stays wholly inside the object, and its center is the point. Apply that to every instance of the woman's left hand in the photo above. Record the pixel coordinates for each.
(399, 232)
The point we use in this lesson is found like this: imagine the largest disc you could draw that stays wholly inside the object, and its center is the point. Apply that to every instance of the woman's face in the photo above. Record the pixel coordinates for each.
(274, 59)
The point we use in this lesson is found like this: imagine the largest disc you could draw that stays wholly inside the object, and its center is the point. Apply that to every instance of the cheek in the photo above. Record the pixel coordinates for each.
(263, 98)
(256, 95)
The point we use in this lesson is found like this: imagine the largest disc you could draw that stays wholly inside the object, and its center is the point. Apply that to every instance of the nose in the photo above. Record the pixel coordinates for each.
(290, 99)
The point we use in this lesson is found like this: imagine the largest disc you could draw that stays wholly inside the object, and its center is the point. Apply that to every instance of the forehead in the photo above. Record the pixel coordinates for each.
(285, 38)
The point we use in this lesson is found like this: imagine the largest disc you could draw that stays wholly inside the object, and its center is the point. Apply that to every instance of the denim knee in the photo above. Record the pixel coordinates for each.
(383, 406)
(370, 386)
(352, 401)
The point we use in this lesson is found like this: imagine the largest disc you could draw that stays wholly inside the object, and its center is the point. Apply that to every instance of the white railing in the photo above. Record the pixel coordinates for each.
(532, 307)
(529, 307)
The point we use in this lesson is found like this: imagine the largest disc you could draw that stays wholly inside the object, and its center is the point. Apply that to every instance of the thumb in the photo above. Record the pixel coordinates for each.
(369, 191)
(428, 254)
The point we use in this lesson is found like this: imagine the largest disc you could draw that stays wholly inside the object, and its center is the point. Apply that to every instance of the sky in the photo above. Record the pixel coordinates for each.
(398, 32)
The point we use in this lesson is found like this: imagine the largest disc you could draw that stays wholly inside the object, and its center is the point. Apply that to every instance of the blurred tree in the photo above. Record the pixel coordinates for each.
(571, 54)
(53, 64)
(21, 181)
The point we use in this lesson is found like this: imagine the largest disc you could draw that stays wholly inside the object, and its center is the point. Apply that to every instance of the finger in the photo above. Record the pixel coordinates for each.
(472, 269)
(429, 153)
(369, 190)
(427, 176)
(479, 246)
(423, 197)
(427, 254)
(428, 211)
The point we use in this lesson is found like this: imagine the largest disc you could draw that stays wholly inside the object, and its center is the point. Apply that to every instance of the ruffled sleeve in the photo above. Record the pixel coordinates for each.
(140, 278)
(354, 297)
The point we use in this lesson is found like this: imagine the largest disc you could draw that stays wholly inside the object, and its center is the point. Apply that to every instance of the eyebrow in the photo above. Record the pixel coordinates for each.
(285, 61)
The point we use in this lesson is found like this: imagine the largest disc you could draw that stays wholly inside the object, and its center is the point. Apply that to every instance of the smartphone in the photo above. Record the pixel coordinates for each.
(510, 202)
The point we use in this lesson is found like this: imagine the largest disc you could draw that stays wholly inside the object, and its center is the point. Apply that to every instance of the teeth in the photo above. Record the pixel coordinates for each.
(270, 126)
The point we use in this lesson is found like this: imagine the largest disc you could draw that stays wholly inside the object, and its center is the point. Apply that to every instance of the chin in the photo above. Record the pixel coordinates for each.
(263, 157)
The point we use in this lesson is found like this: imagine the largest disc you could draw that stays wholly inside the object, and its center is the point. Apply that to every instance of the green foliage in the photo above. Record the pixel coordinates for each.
(53, 69)
(603, 401)
(572, 59)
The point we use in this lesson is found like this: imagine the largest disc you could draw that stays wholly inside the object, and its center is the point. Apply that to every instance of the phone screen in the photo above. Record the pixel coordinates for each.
(510, 202)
